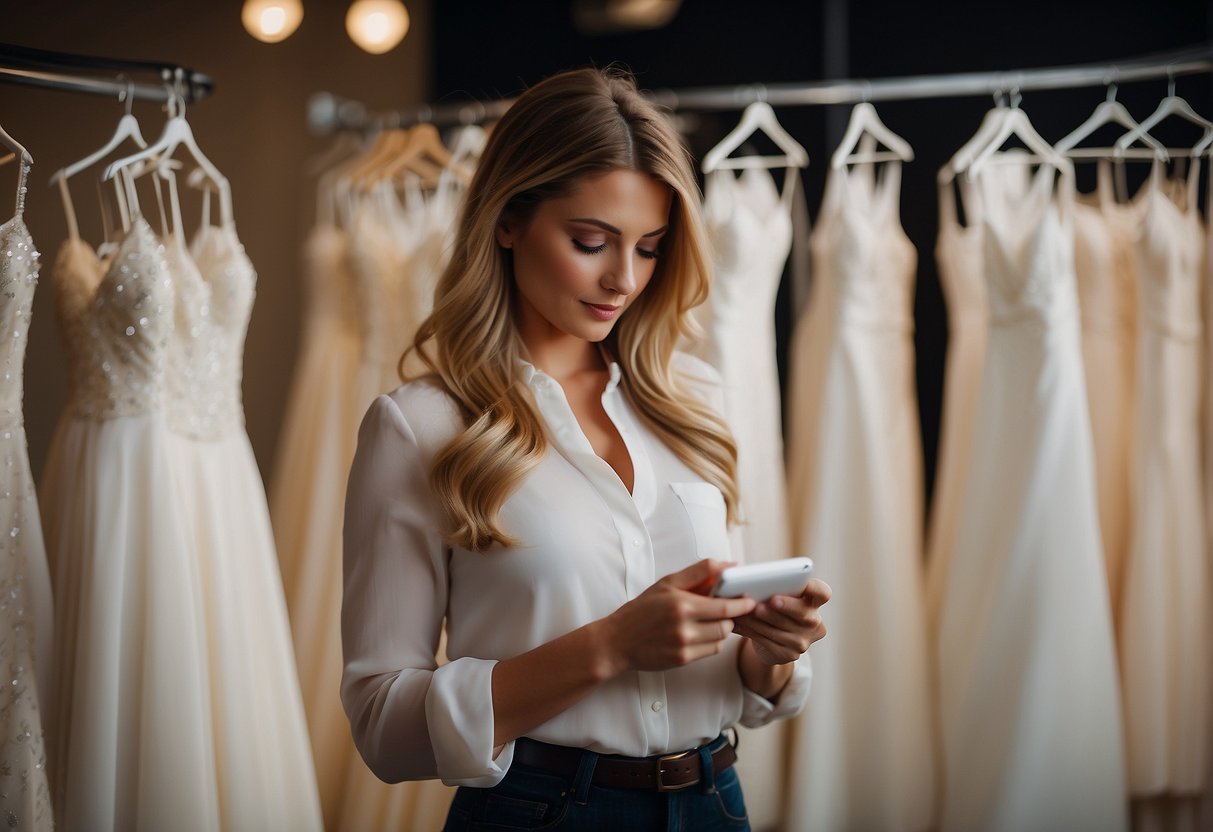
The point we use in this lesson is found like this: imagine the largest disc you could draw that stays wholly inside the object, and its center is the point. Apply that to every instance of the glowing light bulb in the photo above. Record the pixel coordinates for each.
(377, 26)
(271, 21)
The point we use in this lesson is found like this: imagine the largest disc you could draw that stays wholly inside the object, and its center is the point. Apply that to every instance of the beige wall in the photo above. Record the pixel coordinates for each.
(253, 128)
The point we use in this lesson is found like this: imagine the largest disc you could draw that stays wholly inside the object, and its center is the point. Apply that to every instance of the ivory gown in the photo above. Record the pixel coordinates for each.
(1105, 265)
(1165, 620)
(1029, 702)
(863, 751)
(176, 700)
(371, 284)
(26, 616)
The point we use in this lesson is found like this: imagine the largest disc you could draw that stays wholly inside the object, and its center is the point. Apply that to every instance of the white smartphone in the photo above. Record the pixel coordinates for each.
(762, 580)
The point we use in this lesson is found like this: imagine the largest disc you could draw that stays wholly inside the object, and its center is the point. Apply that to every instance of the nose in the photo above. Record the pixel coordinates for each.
(620, 277)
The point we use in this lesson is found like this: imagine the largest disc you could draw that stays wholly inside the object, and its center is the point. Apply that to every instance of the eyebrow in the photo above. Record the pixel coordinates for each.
(606, 226)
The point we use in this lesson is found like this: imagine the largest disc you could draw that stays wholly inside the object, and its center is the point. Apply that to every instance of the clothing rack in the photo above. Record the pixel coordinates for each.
(100, 76)
(328, 113)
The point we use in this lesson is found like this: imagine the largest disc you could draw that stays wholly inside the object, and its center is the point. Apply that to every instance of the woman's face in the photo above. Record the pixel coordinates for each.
(584, 258)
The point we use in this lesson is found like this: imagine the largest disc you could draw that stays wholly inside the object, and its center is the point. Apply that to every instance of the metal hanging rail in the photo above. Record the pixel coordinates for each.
(328, 113)
(100, 76)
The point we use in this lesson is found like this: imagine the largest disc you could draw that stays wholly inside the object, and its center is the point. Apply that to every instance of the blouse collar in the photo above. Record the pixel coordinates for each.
(534, 377)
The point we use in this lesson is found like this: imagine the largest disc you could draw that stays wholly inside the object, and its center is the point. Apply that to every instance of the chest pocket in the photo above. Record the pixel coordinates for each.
(706, 512)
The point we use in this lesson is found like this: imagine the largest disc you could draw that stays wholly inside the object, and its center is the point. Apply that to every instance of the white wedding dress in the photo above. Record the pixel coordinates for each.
(863, 753)
(1029, 703)
(25, 592)
(262, 755)
(130, 725)
(176, 701)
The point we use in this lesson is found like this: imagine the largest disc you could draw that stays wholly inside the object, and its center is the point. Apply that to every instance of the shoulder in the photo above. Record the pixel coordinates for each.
(422, 409)
(698, 377)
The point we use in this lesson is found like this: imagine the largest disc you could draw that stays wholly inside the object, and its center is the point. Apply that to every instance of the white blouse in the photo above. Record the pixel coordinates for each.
(590, 547)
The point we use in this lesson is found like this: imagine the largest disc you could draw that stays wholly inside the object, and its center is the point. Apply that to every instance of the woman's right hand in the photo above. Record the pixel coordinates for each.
(673, 622)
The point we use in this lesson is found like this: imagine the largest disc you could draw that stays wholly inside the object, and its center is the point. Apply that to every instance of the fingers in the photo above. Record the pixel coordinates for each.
(817, 592)
(784, 622)
(699, 576)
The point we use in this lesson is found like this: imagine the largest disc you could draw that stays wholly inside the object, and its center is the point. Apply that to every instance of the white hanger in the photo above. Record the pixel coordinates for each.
(1172, 105)
(12, 144)
(758, 115)
(1016, 123)
(1109, 111)
(864, 120)
(466, 149)
(178, 133)
(128, 128)
(990, 124)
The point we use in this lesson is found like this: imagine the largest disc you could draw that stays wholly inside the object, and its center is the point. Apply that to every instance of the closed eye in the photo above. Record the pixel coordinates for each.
(584, 249)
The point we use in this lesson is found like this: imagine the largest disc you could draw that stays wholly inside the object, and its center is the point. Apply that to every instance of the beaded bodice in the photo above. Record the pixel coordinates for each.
(18, 280)
(116, 318)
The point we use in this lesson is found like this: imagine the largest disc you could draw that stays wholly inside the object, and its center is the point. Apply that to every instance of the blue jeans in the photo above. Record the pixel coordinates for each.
(530, 798)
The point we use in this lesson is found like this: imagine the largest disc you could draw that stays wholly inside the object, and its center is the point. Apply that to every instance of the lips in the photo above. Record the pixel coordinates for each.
(603, 311)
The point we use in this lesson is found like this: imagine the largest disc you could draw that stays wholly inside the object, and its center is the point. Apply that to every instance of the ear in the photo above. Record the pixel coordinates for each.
(505, 233)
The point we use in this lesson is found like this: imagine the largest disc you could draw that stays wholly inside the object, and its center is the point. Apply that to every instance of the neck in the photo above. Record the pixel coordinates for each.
(565, 357)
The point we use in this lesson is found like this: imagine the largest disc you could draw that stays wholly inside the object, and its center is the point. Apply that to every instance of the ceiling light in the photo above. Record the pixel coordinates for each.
(271, 20)
(377, 25)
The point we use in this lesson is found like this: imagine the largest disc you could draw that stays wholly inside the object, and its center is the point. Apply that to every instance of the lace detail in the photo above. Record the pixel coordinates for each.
(868, 259)
(215, 289)
(1171, 249)
(1029, 256)
(116, 322)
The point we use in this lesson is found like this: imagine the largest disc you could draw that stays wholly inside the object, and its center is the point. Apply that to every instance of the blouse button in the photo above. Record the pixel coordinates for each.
(637, 542)
(657, 705)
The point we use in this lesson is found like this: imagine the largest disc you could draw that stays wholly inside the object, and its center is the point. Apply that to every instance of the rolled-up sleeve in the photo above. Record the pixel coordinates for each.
(757, 711)
(411, 720)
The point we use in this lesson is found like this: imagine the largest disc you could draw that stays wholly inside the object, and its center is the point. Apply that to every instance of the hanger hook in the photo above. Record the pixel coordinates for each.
(1109, 81)
(760, 93)
(1015, 98)
(170, 100)
(182, 89)
(1171, 80)
(126, 92)
(867, 91)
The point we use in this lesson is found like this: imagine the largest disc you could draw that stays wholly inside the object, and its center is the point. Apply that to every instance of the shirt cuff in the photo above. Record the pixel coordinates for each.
(757, 711)
(459, 711)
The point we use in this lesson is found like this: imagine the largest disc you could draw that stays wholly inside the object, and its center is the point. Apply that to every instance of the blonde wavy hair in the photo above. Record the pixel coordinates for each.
(577, 124)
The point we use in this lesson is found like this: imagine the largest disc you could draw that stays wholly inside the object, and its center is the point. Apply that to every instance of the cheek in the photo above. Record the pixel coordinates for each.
(556, 268)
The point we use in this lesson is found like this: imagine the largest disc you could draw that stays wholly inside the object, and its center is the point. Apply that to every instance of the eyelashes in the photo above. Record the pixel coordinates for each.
(598, 249)
(584, 249)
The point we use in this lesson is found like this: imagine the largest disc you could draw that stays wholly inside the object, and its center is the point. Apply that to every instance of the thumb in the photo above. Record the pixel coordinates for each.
(699, 576)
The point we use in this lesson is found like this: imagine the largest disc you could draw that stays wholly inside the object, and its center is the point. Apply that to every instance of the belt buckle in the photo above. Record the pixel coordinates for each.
(665, 758)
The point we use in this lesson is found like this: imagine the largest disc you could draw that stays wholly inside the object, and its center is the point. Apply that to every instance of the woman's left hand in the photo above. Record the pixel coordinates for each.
(782, 628)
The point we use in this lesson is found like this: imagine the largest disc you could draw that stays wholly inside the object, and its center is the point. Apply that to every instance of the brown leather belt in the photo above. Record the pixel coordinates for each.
(667, 773)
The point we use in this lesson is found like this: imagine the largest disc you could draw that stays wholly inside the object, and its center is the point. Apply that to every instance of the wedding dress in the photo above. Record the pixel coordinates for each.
(26, 616)
(1029, 703)
(863, 753)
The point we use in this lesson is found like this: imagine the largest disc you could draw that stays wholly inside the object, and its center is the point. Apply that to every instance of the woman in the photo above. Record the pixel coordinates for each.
(534, 489)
